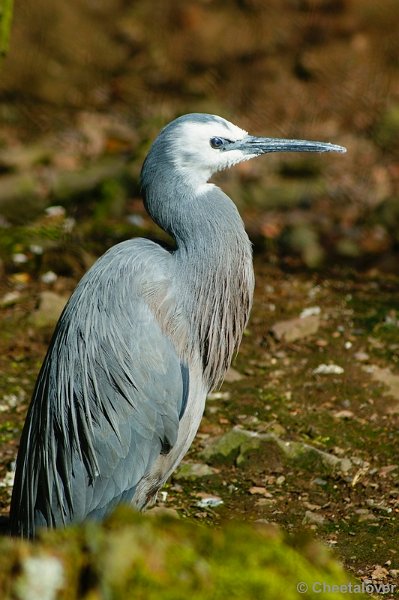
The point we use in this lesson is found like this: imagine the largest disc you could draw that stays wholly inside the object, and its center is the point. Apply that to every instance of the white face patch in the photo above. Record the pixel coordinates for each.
(193, 151)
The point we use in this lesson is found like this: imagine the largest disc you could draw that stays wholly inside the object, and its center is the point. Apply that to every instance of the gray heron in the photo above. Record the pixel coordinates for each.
(145, 336)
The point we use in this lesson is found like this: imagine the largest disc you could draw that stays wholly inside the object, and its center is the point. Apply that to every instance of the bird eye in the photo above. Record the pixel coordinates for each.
(216, 142)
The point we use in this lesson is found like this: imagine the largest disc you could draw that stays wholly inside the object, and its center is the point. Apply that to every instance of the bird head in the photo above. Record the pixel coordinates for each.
(202, 144)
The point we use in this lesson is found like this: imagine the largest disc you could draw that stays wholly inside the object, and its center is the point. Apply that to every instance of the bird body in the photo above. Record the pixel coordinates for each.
(147, 333)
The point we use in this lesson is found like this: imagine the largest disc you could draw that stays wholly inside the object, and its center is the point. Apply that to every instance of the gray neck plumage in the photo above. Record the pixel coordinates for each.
(213, 260)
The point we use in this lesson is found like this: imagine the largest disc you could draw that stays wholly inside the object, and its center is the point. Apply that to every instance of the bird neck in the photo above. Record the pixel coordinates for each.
(214, 275)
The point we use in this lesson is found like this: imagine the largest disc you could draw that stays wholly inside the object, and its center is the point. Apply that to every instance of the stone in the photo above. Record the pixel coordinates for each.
(209, 502)
(344, 414)
(324, 369)
(261, 491)
(390, 380)
(231, 446)
(42, 578)
(163, 511)
(192, 471)
(49, 310)
(234, 446)
(232, 376)
(313, 518)
(10, 299)
(379, 572)
(296, 329)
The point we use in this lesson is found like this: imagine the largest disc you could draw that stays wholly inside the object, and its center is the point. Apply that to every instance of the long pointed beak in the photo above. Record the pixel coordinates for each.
(259, 145)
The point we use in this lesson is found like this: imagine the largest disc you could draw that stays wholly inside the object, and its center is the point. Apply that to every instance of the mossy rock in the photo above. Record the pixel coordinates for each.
(239, 445)
(231, 447)
(192, 471)
(132, 556)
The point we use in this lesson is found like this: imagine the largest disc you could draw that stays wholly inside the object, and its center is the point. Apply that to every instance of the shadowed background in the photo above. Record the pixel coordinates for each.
(88, 80)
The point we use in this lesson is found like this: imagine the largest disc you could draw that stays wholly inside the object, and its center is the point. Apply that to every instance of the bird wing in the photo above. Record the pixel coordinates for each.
(108, 398)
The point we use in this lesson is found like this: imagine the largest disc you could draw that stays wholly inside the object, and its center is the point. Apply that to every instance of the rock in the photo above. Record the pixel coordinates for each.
(10, 299)
(232, 376)
(310, 311)
(42, 577)
(219, 396)
(49, 277)
(261, 491)
(379, 572)
(345, 465)
(234, 446)
(391, 380)
(49, 310)
(312, 518)
(209, 502)
(328, 370)
(384, 471)
(343, 414)
(19, 258)
(8, 480)
(192, 471)
(319, 481)
(296, 329)
(361, 356)
(314, 459)
(157, 511)
(367, 516)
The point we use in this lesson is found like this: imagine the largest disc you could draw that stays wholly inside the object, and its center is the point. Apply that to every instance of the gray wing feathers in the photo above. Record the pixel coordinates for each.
(107, 400)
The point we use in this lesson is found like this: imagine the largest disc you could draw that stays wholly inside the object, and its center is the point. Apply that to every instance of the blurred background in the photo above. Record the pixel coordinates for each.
(87, 85)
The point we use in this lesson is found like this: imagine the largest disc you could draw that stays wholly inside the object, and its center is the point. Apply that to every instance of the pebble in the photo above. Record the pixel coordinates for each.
(193, 471)
(55, 211)
(10, 299)
(261, 491)
(219, 396)
(313, 518)
(49, 277)
(311, 311)
(50, 308)
(324, 369)
(19, 258)
(343, 414)
(209, 502)
(319, 481)
(232, 376)
(296, 329)
(8, 480)
(361, 356)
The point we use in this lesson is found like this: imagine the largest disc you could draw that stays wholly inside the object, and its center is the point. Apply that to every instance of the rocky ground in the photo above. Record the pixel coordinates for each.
(308, 421)
(302, 434)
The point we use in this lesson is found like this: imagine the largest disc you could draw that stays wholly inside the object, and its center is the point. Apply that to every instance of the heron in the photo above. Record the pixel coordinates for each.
(148, 332)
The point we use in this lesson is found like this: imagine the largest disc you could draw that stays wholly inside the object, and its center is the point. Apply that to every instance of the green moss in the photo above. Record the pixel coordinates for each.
(7, 431)
(138, 557)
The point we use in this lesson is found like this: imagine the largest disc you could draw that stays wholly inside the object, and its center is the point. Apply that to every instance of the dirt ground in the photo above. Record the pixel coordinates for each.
(351, 413)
